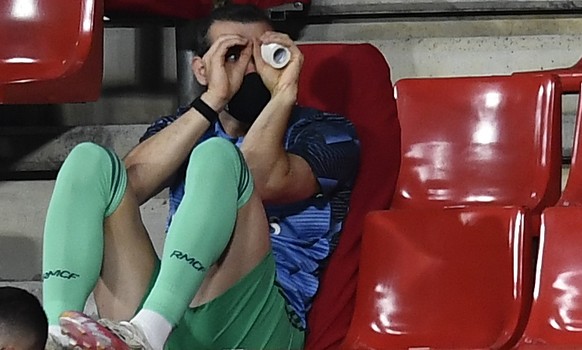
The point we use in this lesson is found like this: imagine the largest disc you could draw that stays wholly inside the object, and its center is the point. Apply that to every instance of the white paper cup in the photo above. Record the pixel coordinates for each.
(276, 55)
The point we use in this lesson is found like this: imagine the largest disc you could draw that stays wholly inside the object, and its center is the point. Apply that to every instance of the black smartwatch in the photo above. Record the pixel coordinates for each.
(207, 112)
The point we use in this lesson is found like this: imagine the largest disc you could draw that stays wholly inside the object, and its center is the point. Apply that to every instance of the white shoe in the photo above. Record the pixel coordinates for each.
(88, 334)
(129, 333)
(55, 343)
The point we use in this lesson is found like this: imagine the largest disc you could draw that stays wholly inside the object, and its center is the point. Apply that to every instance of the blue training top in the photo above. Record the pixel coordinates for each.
(303, 234)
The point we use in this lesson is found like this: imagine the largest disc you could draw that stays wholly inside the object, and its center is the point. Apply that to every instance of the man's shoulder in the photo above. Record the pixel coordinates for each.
(177, 114)
(162, 122)
(315, 133)
(158, 124)
(166, 120)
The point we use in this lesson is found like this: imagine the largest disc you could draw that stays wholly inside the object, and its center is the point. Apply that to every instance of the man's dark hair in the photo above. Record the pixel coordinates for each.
(21, 315)
(242, 13)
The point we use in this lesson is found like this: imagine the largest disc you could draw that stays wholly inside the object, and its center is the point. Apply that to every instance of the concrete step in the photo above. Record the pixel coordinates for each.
(44, 148)
(24, 205)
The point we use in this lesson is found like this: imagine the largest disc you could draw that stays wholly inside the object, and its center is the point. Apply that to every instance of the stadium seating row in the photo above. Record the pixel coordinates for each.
(469, 167)
(451, 264)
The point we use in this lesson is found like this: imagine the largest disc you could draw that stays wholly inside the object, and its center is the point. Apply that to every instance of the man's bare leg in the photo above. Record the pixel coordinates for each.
(91, 189)
(250, 243)
(128, 262)
(218, 234)
(129, 258)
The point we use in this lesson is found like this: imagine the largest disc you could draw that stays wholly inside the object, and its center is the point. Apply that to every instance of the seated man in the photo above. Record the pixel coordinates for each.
(259, 188)
(23, 323)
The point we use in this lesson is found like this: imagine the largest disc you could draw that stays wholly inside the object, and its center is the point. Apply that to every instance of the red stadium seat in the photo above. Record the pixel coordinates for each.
(480, 161)
(333, 79)
(50, 51)
(572, 195)
(442, 279)
(556, 315)
(479, 141)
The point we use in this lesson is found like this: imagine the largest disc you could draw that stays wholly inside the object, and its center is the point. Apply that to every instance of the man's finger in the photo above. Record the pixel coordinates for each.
(223, 44)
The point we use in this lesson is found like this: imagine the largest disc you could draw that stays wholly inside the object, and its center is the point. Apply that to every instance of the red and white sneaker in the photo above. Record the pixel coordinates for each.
(88, 334)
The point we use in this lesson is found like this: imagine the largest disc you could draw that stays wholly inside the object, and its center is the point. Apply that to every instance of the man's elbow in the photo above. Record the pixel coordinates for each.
(285, 190)
(135, 183)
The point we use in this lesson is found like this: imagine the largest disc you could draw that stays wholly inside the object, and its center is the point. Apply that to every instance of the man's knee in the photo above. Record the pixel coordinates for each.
(88, 154)
(88, 163)
(219, 160)
(216, 153)
(216, 148)
(83, 160)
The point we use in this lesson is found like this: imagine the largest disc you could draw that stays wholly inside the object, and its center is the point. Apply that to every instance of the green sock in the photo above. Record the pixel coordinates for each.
(89, 187)
(218, 183)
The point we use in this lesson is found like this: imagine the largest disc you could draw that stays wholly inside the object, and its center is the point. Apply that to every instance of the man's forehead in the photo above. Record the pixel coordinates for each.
(249, 30)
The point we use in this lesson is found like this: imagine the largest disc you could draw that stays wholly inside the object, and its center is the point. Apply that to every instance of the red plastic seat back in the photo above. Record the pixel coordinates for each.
(334, 79)
(556, 315)
(50, 51)
(572, 194)
(442, 279)
(570, 79)
(26, 26)
(479, 140)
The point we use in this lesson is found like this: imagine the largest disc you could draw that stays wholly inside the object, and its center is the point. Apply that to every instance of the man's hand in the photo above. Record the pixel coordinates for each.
(279, 80)
(280, 177)
(225, 64)
(153, 163)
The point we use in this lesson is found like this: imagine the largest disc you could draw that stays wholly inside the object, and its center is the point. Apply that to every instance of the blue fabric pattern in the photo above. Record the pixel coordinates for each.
(300, 242)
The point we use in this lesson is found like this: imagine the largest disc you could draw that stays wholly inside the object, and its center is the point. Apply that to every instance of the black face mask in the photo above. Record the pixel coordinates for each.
(250, 99)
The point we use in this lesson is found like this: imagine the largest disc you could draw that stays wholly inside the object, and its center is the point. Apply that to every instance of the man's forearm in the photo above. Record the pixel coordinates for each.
(263, 145)
(152, 163)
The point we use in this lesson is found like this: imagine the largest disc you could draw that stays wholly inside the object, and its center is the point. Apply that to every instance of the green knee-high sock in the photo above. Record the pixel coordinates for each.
(218, 183)
(89, 187)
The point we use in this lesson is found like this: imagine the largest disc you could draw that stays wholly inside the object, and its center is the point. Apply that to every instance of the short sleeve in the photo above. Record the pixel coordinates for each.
(329, 144)
(157, 126)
